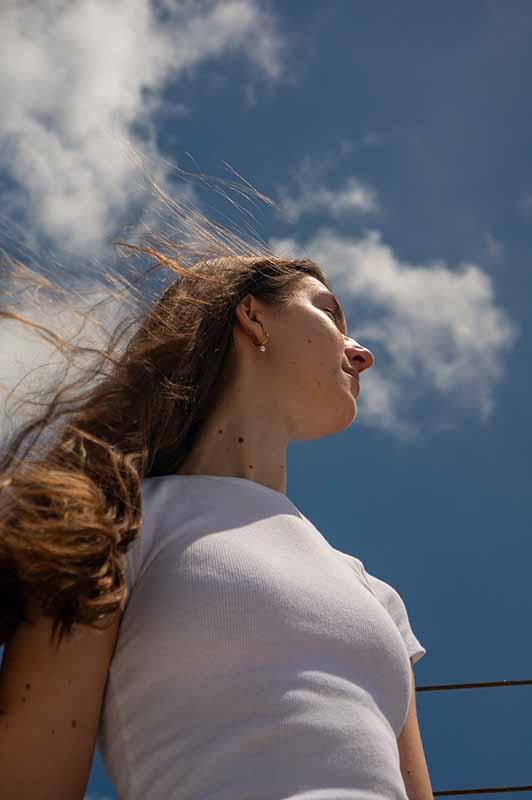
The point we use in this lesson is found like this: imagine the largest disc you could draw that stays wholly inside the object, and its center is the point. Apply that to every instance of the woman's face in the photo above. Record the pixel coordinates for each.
(304, 368)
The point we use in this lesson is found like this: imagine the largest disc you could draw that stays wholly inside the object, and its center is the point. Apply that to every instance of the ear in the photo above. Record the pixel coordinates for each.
(250, 317)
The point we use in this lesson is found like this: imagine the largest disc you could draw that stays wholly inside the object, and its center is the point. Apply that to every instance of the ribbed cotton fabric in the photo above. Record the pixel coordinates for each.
(254, 661)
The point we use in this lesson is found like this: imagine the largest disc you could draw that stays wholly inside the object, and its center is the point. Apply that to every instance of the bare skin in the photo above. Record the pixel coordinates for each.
(50, 702)
(297, 389)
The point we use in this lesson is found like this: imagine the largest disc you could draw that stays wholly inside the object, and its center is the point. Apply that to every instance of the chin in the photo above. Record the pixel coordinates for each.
(346, 418)
(349, 417)
(326, 424)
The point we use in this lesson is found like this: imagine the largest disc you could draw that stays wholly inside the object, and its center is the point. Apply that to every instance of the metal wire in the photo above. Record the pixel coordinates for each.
(485, 789)
(471, 685)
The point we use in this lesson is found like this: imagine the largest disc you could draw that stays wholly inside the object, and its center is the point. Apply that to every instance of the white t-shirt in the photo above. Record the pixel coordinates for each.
(254, 660)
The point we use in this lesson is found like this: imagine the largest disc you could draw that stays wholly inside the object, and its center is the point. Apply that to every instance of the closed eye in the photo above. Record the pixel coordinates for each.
(336, 311)
(335, 315)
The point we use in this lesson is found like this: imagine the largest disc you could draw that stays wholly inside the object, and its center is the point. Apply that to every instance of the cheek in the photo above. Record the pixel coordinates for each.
(310, 355)
(316, 363)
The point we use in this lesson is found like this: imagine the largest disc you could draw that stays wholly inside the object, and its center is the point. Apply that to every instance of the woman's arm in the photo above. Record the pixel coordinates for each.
(412, 756)
(50, 702)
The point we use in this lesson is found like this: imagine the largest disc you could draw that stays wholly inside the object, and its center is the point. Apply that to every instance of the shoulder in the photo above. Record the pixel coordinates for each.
(392, 601)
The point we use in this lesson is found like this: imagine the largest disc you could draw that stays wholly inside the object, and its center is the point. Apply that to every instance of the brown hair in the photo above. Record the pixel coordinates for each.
(69, 509)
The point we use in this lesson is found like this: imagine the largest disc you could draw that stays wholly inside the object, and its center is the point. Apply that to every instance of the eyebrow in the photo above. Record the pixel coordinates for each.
(337, 306)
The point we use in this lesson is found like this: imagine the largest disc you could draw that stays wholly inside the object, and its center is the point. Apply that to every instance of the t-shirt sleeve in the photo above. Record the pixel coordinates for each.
(394, 605)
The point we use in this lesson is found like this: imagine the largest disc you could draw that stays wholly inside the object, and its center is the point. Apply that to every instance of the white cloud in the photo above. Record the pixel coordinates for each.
(77, 78)
(306, 191)
(353, 196)
(436, 331)
(33, 367)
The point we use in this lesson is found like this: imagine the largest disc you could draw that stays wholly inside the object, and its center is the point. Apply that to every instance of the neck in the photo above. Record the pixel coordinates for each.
(237, 446)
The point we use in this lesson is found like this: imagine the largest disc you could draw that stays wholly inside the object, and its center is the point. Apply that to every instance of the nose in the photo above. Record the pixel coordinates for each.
(359, 357)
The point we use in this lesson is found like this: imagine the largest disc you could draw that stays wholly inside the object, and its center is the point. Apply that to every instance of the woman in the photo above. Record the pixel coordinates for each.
(160, 589)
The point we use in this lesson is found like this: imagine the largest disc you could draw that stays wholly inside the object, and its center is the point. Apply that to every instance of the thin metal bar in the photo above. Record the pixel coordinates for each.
(485, 790)
(472, 685)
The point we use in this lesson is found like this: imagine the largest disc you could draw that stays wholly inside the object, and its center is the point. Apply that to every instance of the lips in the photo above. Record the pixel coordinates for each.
(354, 377)
(353, 373)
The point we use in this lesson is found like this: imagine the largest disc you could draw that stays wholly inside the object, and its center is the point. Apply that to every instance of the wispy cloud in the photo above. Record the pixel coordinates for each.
(308, 189)
(77, 78)
(493, 247)
(31, 367)
(307, 192)
(352, 196)
(433, 328)
(525, 204)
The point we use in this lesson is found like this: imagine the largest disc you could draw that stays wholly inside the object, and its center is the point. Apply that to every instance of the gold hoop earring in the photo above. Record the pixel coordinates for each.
(261, 345)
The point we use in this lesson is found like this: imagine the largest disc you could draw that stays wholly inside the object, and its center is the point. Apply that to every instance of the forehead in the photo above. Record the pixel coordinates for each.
(311, 286)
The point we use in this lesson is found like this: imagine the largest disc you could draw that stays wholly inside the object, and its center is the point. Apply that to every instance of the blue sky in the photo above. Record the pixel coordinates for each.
(396, 138)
